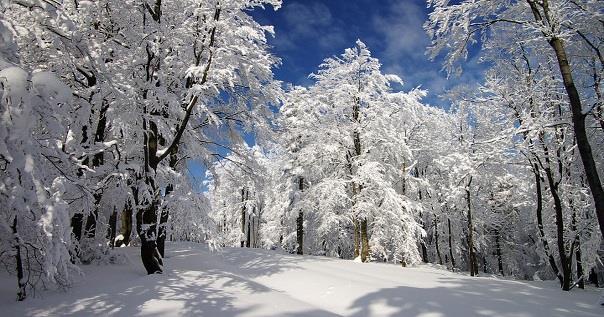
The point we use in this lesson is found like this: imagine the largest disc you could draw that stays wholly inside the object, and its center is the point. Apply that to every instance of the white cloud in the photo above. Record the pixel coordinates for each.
(312, 22)
(400, 30)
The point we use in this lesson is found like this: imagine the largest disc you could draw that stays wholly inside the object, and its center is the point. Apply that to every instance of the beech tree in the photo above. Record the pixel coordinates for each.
(453, 27)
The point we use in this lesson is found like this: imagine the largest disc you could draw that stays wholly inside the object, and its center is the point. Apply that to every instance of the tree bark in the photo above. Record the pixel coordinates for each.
(498, 250)
(125, 226)
(580, 272)
(112, 228)
(364, 241)
(440, 259)
(473, 265)
(451, 244)
(539, 212)
(244, 219)
(21, 293)
(146, 226)
(565, 261)
(300, 222)
(357, 240)
(77, 222)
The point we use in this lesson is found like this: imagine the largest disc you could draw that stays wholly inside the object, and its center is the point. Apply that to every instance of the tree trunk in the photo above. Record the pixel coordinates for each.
(146, 226)
(249, 233)
(161, 231)
(498, 250)
(451, 244)
(357, 240)
(163, 222)
(564, 260)
(440, 259)
(424, 252)
(243, 216)
(21, 294)
(539, 211)
(300, 222)
(125, 226)
(364, 241)
(300, 232)
(98, 159)
(473, 265)
(422, 243)
(77, 222)
(580, 272)
(112, 228)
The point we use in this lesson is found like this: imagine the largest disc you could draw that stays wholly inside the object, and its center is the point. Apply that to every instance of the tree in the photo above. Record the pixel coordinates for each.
(453, 27)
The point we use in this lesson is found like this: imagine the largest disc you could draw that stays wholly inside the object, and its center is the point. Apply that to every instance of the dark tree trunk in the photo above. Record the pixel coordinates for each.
(161, 236)
(21, 293)
(580, 272)
(300, 222)
(112, 228)
(451, 244)
(300, 232)
(146, 226)
(498, 250)
(357, 238)
(565, 261)
(163, 222)
(539, 212)
(165, 212)
(125, 226)
(244, 198)
(98, 159)
(249, 234)
(473, 265)
(424, 252)
(364, 241)
(440, 259)
(77, 222)
(422, 243)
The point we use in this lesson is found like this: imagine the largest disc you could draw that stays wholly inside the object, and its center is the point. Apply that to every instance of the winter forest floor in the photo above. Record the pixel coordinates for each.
(252, 282)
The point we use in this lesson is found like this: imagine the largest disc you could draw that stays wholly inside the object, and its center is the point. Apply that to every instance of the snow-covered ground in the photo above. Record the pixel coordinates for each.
(251, 282)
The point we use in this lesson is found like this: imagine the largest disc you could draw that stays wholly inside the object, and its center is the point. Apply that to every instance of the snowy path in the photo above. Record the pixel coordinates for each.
(243, 282)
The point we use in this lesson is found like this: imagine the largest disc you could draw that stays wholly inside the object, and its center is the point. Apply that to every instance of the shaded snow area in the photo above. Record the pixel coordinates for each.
(252, 282)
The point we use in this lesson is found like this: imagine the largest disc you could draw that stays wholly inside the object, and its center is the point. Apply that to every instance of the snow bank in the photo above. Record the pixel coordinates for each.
(251, 282)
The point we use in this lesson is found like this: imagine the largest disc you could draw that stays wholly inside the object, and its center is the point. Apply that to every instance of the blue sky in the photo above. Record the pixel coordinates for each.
(308, 31)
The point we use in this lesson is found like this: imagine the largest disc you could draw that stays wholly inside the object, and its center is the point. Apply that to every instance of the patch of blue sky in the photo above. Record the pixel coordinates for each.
(308, 31)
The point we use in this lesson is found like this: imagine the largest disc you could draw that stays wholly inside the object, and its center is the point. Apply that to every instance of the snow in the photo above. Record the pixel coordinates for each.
(253, 282)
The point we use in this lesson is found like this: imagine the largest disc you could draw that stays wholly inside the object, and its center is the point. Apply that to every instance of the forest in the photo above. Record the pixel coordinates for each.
(106, 106)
